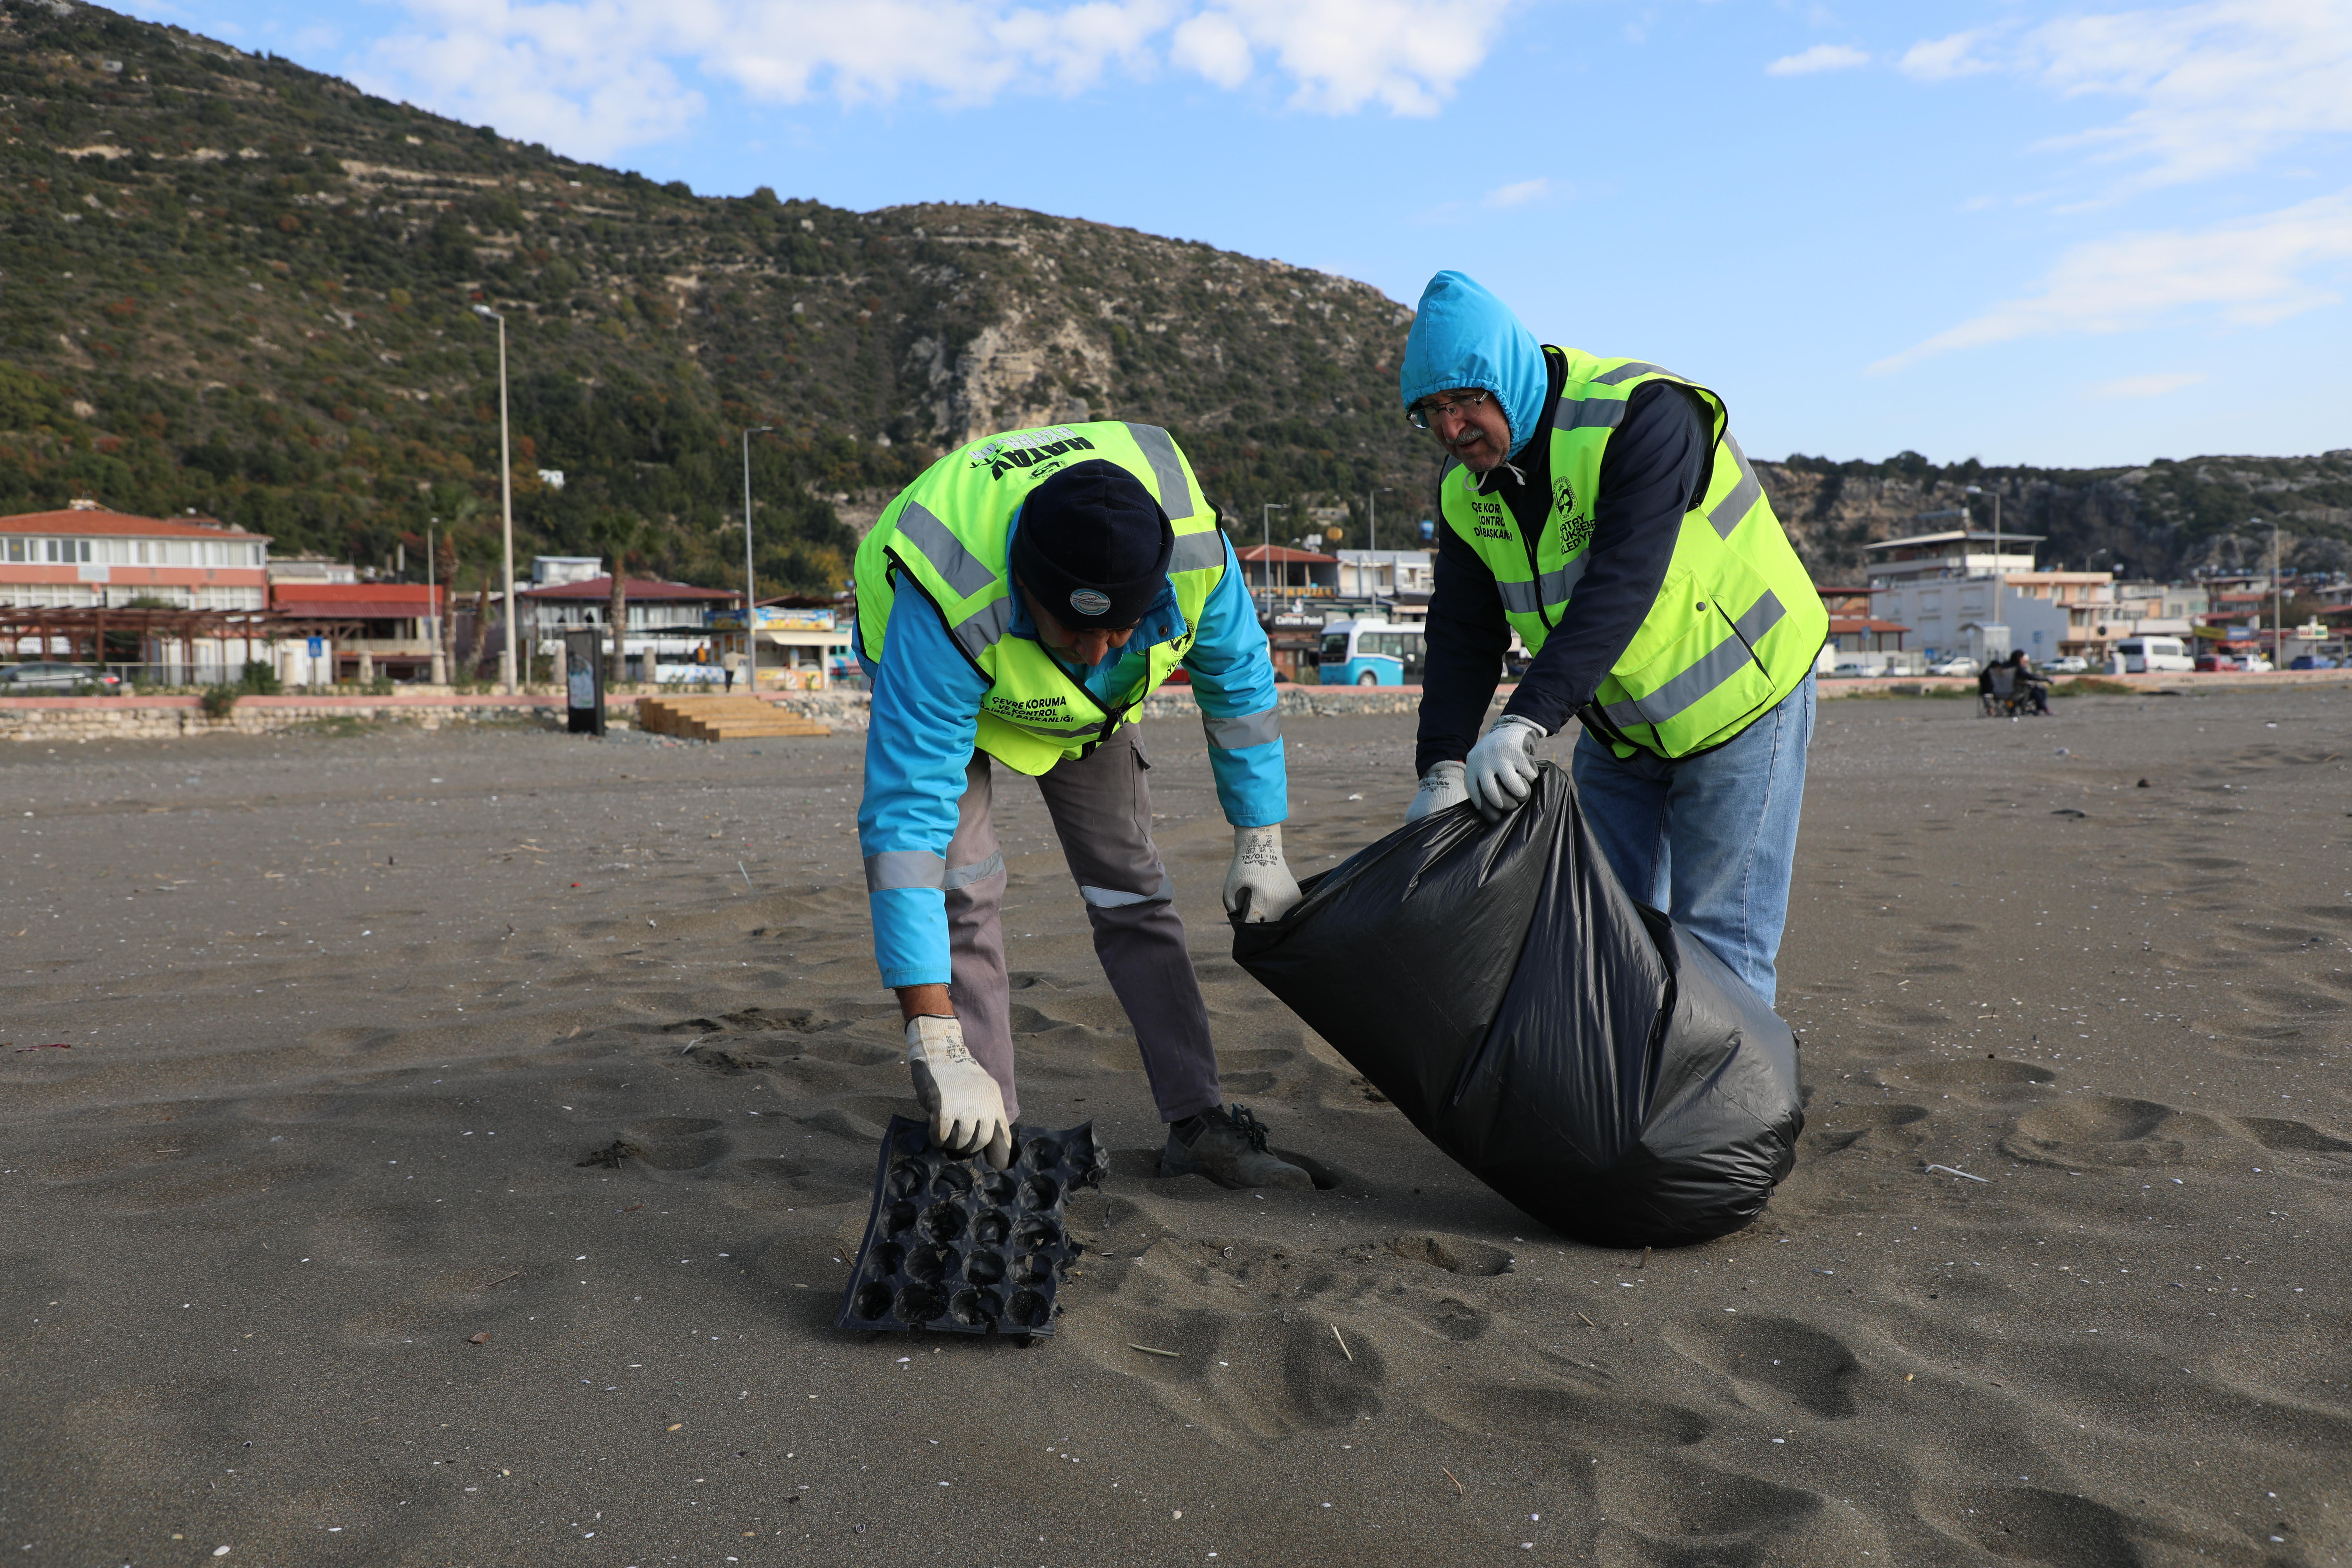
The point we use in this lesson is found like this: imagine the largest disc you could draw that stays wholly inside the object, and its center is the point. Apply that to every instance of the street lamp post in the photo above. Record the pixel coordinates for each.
(1265, 567)
(439, 670)
(2278, 601)
(1372, 534)
(506, 505)
(750, 583)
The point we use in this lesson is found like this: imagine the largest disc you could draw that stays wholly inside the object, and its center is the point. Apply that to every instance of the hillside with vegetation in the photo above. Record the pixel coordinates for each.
(233, 286)
(236, 286)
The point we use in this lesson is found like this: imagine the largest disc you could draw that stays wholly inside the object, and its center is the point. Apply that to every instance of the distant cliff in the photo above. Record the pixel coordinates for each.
(2160, 520)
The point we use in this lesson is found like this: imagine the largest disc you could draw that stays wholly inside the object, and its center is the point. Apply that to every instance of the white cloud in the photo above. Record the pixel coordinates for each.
(2220, 85)
(1940, 59)
(2153, 386)
(2250, 271)
(1214, 46)
(1519, 195)
(1819, 57)
(598, 76)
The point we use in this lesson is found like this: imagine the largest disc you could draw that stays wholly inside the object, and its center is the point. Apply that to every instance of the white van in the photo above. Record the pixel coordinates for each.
(2143, 655)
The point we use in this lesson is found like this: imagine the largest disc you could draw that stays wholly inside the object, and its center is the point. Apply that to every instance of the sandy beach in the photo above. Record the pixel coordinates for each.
(308, 1036)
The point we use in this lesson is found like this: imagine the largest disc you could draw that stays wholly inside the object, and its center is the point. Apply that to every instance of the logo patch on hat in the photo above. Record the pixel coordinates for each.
(1086, 602)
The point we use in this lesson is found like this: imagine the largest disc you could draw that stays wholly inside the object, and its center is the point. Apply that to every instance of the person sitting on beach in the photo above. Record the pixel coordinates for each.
(2031, 683)
(1015, 605)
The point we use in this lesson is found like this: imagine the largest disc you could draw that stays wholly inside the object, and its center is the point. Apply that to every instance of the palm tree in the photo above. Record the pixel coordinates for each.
(624, 536)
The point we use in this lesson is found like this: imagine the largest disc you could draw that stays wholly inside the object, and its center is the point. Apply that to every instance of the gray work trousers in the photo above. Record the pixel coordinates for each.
(1101, 807)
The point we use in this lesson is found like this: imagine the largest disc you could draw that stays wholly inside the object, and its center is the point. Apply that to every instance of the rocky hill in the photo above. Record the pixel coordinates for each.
(2160, 520)
(232, 285)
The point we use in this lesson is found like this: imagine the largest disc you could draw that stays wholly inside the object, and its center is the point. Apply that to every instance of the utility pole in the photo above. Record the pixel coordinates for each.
(750, 583)
(440, 673)
(2278, 603)
(1265, 567)
(1372, 534)
(506, 505)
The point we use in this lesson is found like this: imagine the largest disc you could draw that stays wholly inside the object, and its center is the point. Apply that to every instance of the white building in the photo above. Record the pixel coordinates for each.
(1384, 574)
(1968, 593)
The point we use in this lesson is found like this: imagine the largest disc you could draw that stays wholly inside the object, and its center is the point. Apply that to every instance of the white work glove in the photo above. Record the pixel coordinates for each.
(1259, 886)
(966, 1107)
(1502, 767)
(1441, 786)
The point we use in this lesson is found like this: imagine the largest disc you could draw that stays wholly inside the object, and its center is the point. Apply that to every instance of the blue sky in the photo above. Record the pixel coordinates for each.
(2026, 233)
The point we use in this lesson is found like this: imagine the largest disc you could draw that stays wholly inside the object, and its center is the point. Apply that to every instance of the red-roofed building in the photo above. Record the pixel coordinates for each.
(1289, 574)
(396, 621)
(1860, 633)
(86, 557)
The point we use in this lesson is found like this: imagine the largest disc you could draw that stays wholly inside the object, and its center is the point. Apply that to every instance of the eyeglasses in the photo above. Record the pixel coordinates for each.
(1421, 415)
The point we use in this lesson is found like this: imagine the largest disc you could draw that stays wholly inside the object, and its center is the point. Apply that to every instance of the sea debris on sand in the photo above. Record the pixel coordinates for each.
(1147, 1350)
(1956, 1171)
(1343, 1344)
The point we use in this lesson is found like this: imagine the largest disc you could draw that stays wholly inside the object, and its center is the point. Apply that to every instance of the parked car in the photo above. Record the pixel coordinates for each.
(2216, 663)
(2314, 661)
(1851, 669)
(2257, 662)
(1954, 666)
(2073, 664)
(60, 677)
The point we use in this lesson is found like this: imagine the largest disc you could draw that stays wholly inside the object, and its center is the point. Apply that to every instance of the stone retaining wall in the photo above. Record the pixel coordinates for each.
(55, 719)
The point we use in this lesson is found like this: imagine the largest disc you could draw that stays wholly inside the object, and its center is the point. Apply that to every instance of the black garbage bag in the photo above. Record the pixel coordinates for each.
(1570, 1048)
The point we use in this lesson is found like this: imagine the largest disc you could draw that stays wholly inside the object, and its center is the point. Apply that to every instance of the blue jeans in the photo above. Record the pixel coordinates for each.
(1711, 839)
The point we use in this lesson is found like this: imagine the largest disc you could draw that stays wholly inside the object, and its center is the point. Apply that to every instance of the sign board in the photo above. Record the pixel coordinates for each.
(774, 618)
(317, 649)
(583, 682)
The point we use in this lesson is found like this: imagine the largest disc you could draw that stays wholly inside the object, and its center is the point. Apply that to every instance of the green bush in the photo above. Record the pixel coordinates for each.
(260, 680)
(218, 701)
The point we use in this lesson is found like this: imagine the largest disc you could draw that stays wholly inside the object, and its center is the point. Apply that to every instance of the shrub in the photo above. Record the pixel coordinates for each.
(260, 680)
(218, 701)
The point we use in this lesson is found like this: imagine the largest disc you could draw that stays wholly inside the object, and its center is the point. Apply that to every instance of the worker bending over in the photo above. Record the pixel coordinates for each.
(1015, 605)
(1601, 509)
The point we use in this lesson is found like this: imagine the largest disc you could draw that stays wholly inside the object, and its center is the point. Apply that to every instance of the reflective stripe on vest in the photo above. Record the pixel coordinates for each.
(948, 534)
(1718, 665)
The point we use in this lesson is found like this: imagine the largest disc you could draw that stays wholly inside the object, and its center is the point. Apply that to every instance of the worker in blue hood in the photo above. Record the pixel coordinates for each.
(1599, 509)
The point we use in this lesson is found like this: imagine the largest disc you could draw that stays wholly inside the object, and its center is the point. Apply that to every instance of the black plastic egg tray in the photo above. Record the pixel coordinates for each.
(954, 1246)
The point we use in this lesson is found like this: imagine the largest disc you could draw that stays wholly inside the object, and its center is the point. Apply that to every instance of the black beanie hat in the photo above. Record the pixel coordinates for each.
(1094, 546)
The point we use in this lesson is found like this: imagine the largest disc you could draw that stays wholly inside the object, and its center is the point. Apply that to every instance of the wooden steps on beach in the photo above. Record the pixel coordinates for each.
(722, 719)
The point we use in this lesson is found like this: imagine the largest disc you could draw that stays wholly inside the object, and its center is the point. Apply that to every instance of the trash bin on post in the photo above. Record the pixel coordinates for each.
(583, 682)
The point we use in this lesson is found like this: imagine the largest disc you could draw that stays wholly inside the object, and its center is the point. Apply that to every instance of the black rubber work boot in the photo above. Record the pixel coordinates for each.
(1228, 1146)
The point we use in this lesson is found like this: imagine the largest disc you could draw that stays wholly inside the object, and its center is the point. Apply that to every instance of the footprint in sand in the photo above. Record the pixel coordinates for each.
(2030, 1525)
(1591, 1419)
(1834, 1127)
(1698, 1513)
(675, 1143)
(1795, 1359)
(2111, 1130)
(1455, 1254)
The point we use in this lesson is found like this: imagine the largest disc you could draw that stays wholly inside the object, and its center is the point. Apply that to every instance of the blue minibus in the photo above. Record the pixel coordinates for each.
(1371, 653)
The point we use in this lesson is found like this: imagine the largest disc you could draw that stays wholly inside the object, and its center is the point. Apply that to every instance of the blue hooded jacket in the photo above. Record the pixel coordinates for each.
(1465, 337)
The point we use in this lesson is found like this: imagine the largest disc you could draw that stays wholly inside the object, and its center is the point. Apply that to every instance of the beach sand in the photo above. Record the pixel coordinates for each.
(346, 1013)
